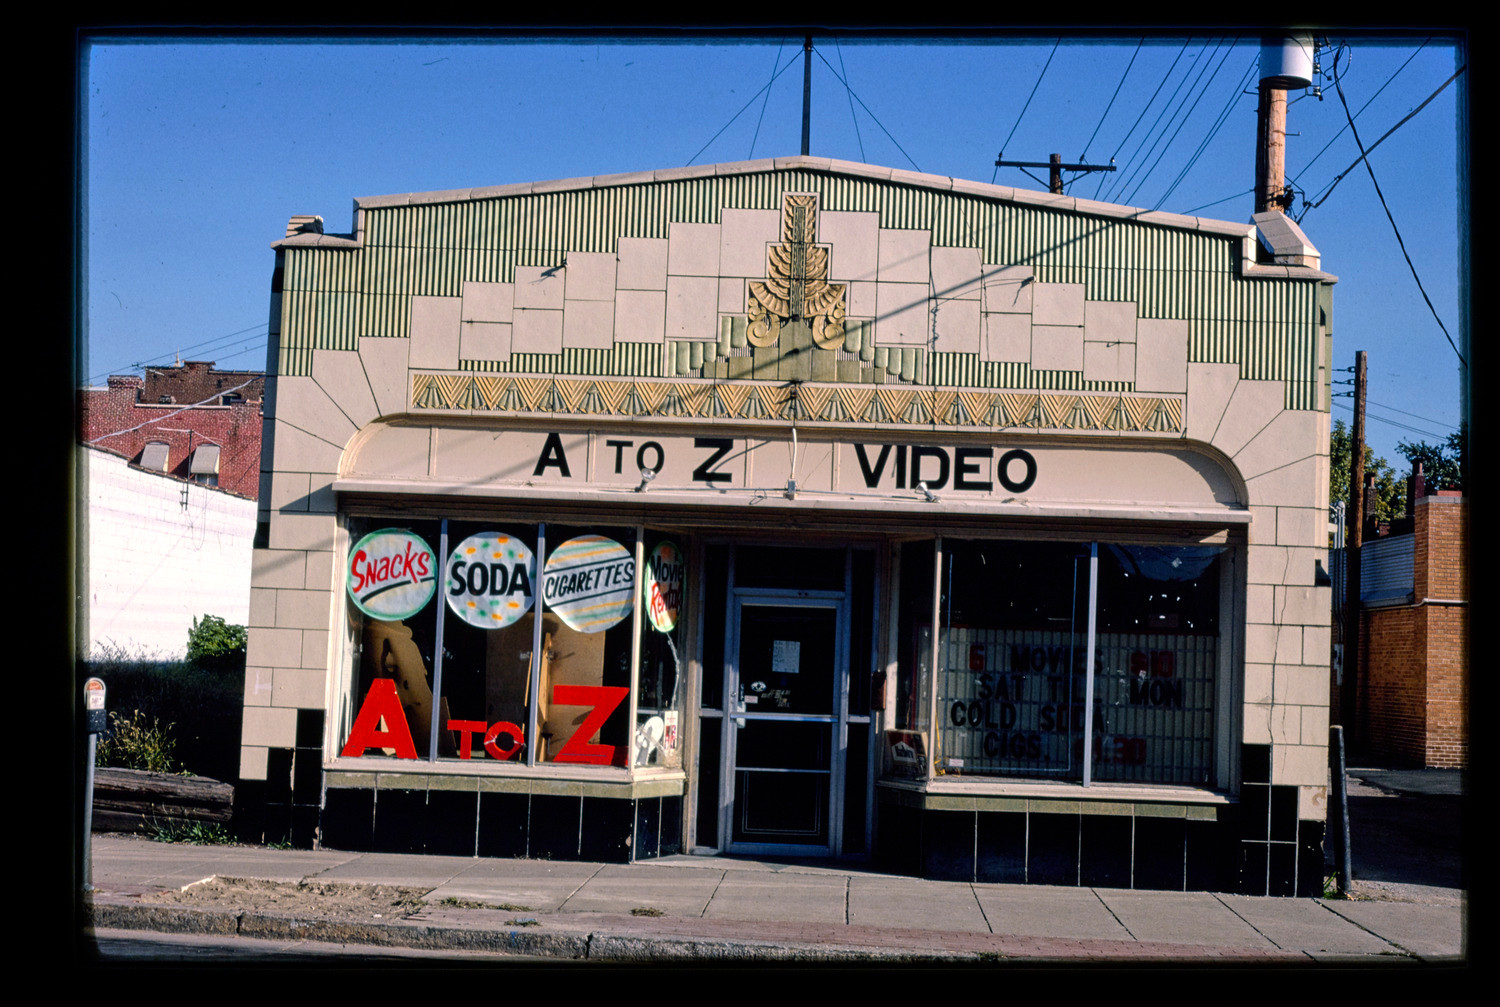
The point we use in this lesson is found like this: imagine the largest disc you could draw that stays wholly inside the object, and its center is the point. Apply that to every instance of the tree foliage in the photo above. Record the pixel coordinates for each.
(216, 644)
(1390, 488)
(1442, 464)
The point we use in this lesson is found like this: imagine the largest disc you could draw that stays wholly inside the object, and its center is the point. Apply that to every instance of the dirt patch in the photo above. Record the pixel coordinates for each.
(325, 900)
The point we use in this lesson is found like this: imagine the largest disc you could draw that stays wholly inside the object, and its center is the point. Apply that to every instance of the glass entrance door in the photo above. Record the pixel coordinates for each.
(786, 674)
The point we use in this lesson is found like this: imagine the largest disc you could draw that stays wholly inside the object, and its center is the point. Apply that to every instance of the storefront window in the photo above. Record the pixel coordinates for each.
(1015, 637)
(455, 641)
(658, 729)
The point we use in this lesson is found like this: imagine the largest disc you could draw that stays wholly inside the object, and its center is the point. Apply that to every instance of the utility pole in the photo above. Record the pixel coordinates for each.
(1270, 150)
(1055, 166)
(807, 95)
(1348, 693)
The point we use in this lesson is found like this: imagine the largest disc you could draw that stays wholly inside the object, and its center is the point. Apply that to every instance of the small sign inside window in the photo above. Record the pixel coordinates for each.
(786, 657)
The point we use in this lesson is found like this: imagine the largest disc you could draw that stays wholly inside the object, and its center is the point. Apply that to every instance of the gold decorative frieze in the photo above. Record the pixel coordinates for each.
(785, 402)
(796, 284)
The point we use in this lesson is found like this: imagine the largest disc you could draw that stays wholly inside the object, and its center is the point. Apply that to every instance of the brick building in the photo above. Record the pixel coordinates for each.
(190, 421)
(1414, 662)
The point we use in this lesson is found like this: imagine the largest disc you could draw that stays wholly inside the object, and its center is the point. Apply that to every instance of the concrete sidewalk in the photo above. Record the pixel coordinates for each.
(710, 908)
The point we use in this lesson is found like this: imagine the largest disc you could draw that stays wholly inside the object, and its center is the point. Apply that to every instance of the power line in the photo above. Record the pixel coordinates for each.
(208, 346)
(1123, 181)
(774, 64)
(1028, 103)
(1239, 91)
(1084, 156)
(1361, 111)
(873, 117)
(1098, 192)
(789, 63)
(850, 92)
(1173, 139)
(1364, 157)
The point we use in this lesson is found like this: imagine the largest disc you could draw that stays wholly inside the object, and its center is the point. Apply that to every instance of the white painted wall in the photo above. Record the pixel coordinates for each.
(156, 563)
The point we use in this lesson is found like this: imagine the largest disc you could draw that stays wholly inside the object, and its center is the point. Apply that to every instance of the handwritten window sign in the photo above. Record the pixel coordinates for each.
(589, 582)
(392, 574)
(786, 657)
(490, 578)
(664, 577)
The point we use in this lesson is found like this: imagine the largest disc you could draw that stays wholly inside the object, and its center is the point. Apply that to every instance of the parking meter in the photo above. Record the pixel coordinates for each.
(94, 723)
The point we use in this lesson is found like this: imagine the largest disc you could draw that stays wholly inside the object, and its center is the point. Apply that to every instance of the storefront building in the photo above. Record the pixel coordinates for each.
(797, 508)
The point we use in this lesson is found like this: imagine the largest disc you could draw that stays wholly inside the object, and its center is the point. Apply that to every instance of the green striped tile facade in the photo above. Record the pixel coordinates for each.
(1270, 328)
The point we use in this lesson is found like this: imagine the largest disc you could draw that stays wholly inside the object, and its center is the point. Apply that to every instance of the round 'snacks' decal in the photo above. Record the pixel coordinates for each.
(663, 581)
(589, 582)
(392, 574)
(490, 578)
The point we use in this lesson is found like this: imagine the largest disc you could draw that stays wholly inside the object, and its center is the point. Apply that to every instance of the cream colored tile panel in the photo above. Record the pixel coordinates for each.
(1007, 338)
(1268, 564)
(289, 491)
(854, 240)
(1257, 723)
(270, 648)
(341, 375)
(732, 296)
(1161, 355)
(536, 330)
(1109, 321)
(273, 568)
(299, 451)
(902, 315)
(315, 648)
(1263, 525)
(1260, 600)
(957, 326)
(403, 454)
(1302, 685)
(1250, 410)
(860, 300)
(640, 316)
(302, 609)
(1291, 484)
(1288, 645)
(385, 363)
(321, 567)
(1312, 802)
(299, 687)
(904, 256)
(1114, 361)
(253, 762)
(1317, 642)
(691, 307)
(262, 607)
(1288, 437)
(302, 531)
(642, 264)
(1304, 606)
(489, 302)
(1286, 725)
(1260, 643)
(1009, 289)
(590, 277)
(743, 237)
(1303, 765)
(955, 273)
(434, 331)
(485, 341)
(1209, 389)
(1058, 304)
(540, 287)
(1258, 683)
(589, 325)
(694, 250)
(272, 727)
(1056, 347)
(306, 406)
(1315, 725)
(258, 684)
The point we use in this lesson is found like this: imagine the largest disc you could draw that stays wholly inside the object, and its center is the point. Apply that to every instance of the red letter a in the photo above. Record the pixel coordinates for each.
(380, 701)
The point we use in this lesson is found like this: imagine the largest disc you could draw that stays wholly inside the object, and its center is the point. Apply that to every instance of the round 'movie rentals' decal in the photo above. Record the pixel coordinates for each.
(663, 584)
(589, 582)
(489, 579)
(392, 574)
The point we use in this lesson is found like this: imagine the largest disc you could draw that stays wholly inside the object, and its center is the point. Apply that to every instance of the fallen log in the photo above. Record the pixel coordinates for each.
(135, 800)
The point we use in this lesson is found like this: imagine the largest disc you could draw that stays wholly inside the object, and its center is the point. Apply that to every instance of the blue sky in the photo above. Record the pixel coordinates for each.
(197, 150)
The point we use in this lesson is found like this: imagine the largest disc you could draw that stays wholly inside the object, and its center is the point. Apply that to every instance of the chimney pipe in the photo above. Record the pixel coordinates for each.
(1418, 484)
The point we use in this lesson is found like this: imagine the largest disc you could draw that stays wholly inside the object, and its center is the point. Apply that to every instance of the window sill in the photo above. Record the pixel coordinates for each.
(993, 794)
(491, 775)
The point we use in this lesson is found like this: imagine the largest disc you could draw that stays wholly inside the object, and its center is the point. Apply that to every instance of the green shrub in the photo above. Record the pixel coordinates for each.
(133, 743)
(216, 645)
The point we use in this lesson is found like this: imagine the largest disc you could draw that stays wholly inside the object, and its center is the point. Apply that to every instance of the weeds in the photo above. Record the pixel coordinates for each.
(646, 911)
(133, 742)
(196, 833)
